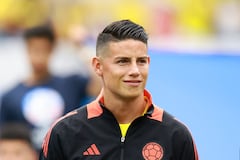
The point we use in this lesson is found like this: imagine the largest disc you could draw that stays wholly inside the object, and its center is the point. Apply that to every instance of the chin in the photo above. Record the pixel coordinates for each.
(132, 94)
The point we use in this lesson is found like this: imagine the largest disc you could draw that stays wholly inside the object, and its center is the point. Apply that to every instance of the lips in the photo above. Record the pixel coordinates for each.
(133, 82)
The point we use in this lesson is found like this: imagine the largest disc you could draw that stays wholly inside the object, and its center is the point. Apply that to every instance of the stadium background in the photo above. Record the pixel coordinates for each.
(194, 48)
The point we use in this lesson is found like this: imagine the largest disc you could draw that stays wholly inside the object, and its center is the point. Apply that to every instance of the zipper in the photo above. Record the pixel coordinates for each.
(123, 139)
(122, 148)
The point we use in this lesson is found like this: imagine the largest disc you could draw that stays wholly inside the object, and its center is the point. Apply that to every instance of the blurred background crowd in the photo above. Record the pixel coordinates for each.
(175, 27)
(168, 19)
(184, 26)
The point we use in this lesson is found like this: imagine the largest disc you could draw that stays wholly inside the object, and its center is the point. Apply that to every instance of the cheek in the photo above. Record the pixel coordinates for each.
(112, 73)
(145, 72)
(145, 75)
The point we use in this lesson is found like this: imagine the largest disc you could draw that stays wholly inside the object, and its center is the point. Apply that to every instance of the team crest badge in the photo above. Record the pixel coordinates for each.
(152, 151)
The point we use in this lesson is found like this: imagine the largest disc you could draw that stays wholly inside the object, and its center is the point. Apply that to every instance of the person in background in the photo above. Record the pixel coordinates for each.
(42, 97)
(16, 143)
(82, 45)
(122, 123)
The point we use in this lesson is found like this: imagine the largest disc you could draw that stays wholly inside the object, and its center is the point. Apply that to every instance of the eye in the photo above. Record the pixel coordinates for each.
(142, 61)
(122, 61)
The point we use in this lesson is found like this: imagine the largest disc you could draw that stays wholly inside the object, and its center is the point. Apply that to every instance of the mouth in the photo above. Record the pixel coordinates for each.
(133, 82)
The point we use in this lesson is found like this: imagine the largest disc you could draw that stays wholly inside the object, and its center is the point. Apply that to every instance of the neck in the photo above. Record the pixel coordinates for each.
(37, 78)
(125, 111)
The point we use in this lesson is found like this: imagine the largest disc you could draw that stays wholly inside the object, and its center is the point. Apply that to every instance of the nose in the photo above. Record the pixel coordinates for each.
(134, 70)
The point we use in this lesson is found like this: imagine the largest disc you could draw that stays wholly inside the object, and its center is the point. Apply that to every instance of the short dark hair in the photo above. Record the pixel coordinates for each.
(40, 32)
(121, 30)
(16, 131)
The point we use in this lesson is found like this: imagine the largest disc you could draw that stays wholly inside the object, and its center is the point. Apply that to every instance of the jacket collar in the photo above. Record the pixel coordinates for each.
(94, 108)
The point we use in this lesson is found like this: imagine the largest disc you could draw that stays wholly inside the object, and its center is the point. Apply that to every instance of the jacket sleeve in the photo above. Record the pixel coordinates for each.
(184, 147)
(51, 148)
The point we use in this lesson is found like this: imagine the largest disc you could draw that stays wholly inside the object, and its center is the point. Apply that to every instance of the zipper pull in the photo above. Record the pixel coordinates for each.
(122, 139)
(122, 148)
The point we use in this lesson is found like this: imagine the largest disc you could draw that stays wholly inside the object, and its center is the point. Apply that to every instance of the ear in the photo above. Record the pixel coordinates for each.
(97, 66)
(148, 60)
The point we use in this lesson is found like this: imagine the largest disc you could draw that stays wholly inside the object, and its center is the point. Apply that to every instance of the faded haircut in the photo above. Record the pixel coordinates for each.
(118, 31)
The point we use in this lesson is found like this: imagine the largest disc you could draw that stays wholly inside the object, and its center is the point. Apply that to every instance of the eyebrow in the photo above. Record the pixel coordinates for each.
(143, 57)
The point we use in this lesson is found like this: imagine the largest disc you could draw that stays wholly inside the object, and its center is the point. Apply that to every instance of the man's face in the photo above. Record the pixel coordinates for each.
(124, 68)
(39, 52)
(16, 150)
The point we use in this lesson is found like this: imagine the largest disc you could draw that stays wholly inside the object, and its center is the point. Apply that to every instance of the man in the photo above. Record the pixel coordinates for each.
(42, 97)
(16, 143)
(122, 123)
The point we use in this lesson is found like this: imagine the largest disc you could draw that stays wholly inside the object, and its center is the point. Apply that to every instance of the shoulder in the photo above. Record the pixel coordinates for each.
(180, 133)
(76, 119)
(77, 77)
(181, 137)
(168, 120)
(16, 89)
(74, 81)
(69, 77)
(64, 125)
(70, 119)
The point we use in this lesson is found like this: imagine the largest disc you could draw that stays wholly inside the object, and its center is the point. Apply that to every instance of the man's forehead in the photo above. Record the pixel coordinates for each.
(125, 42)
(124, 48)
